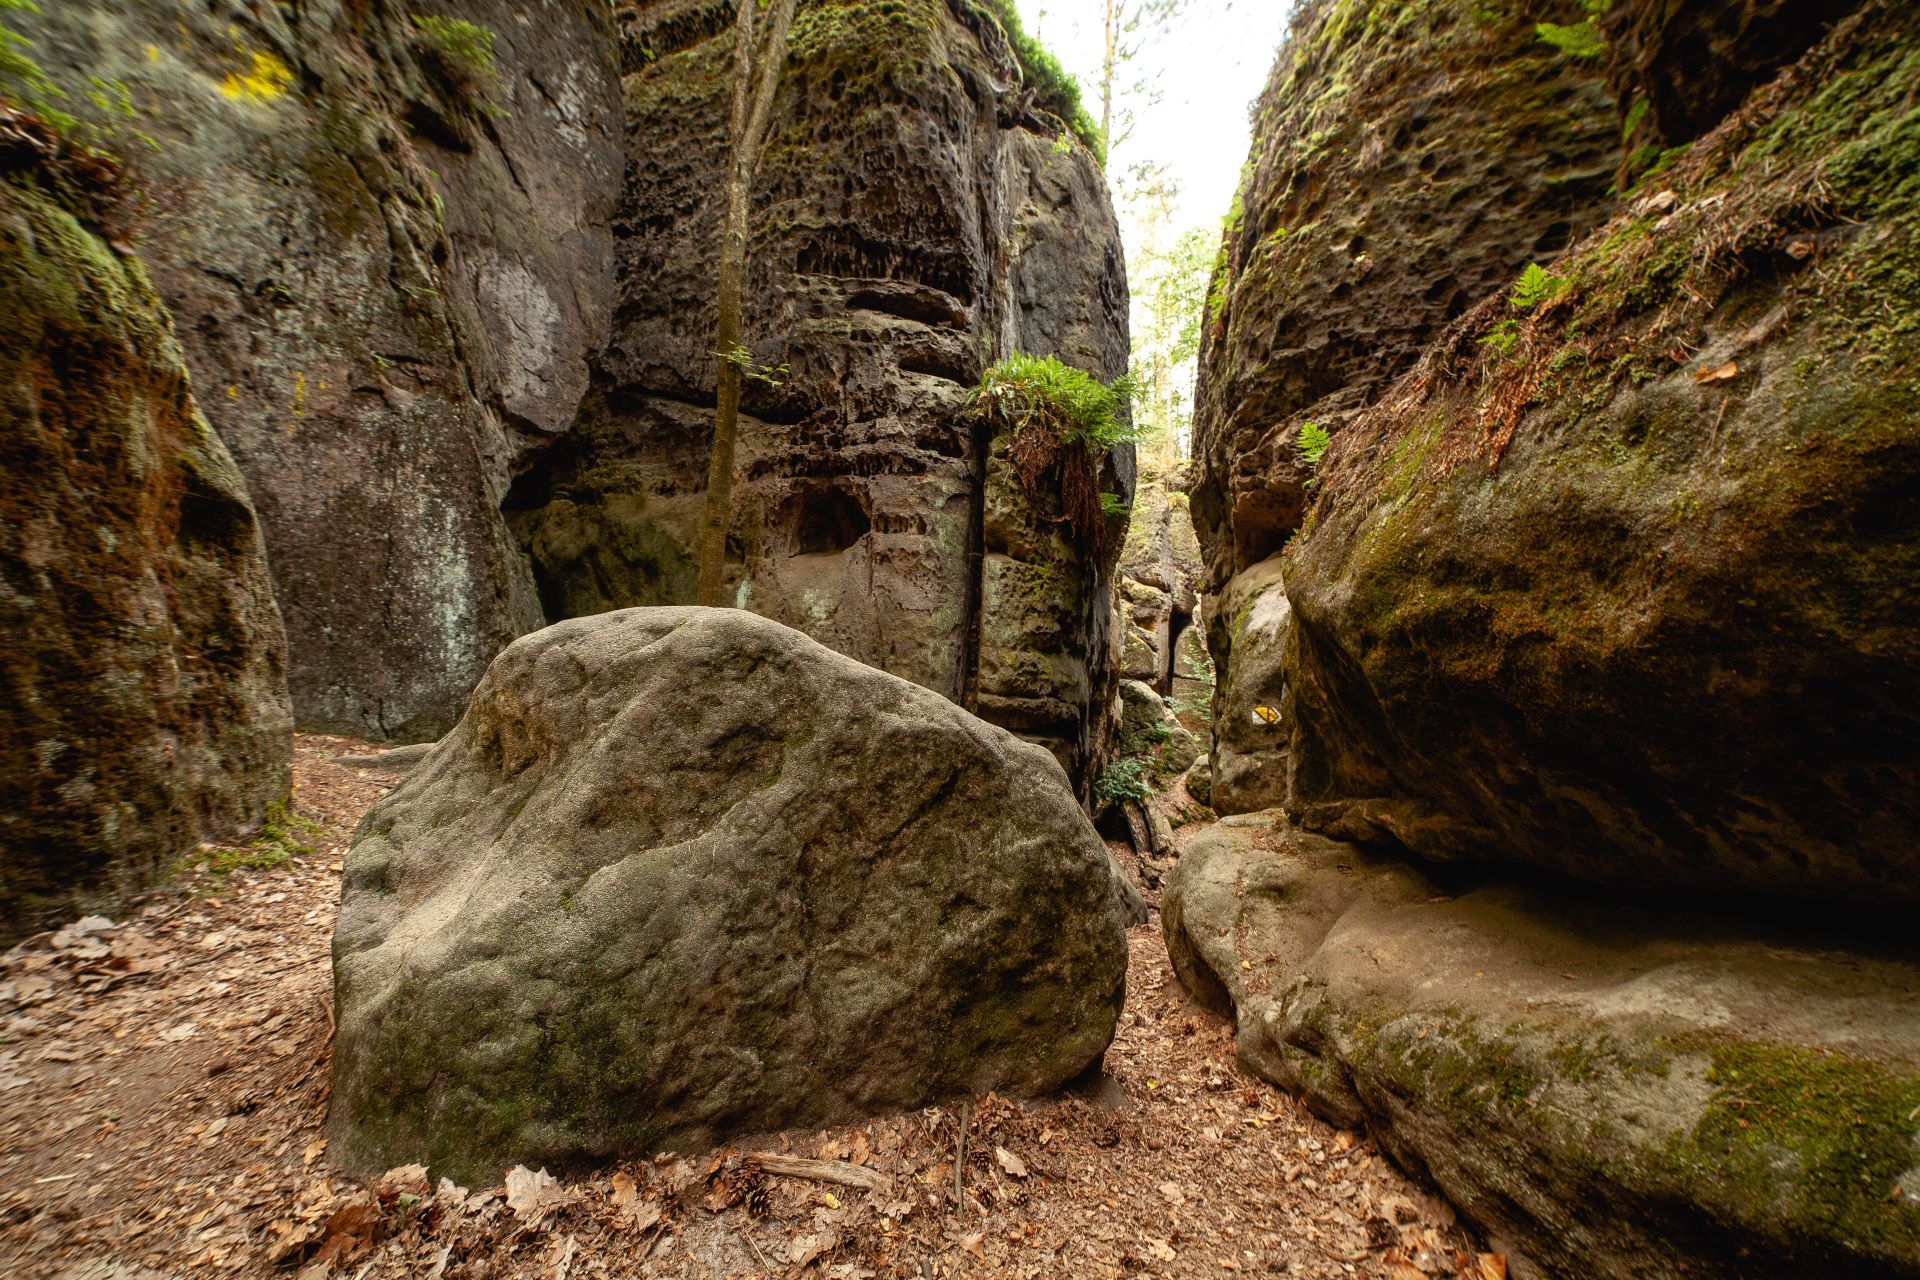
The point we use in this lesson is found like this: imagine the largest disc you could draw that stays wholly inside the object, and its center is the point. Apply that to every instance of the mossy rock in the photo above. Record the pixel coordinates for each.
(143, 686)
(1612, 1091)
(1631, 598)
(683, 874)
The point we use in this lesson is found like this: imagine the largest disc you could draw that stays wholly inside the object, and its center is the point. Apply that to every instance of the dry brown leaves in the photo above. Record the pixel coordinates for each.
(163, 1087)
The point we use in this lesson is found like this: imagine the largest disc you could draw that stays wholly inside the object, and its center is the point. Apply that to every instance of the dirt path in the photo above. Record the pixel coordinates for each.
(163, 1084)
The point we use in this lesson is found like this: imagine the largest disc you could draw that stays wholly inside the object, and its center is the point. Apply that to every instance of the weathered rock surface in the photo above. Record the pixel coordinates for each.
(389, 266)
(1610, 1090)
(915, 218)
(1678, 69)
(1630, 598)
(1150, 730)
(1247, 626)
(1408, 159)
(684, 873)
(1159, 579)
(143, 695)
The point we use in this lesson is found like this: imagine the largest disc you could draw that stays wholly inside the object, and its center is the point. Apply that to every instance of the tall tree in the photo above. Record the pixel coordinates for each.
(759, 57)
(1127, 28)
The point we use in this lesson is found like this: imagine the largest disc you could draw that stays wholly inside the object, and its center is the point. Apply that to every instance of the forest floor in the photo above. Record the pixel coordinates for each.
(163, 1087)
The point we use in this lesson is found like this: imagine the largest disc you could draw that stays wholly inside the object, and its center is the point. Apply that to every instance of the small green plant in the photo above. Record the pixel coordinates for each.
(1535, 286)
(1124, 779)
(463, 53)
(1503, 336)
(1063, 422)
(276, 844)
(1573, 40)
(742, 359)
(1635, 114)
(1025, 392)
(1112, 504)
(1313, 442)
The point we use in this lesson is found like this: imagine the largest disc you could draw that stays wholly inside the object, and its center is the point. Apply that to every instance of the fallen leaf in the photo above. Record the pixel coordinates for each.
(349, 1230)
(975, 1244)
(1492, 1266)
(402, 1180)
(1012, 1164)
(313, 1151)
(1719, 373)
(1172, 1191)
(531, 1194)
(1163, 1252)
(626, 1193)
(175, 1034)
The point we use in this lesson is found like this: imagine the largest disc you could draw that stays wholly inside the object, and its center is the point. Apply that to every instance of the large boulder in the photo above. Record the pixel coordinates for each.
(1618, 583)
(143, 696)
(682, 873)
(1407, 158)
(1613, 1091)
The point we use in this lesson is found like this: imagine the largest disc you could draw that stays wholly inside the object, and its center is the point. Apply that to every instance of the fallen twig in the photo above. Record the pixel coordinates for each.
(838, 1172)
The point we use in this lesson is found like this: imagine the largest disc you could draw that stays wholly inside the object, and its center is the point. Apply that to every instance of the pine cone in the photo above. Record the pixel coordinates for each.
(759, 1200)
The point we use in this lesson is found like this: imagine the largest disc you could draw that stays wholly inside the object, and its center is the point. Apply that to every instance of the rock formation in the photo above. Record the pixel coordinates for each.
(1609, 584)
(916, 217)
(1159, 580)
(684, 873)
(142, 687)
(1247, 629)
(1407, 159)
(1614, 583)
(1612, 1091)
(396, 241)
(384, 235)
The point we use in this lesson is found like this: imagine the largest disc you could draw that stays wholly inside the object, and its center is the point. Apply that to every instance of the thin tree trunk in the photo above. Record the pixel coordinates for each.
(1106, 72)
(746, 139)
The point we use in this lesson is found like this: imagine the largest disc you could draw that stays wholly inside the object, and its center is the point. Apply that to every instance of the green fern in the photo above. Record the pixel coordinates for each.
(1535, 286)
(1573, 40)
(1313, 442)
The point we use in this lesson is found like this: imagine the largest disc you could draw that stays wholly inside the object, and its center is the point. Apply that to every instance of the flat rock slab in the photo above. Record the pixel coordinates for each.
(1609, 1089)
(681, 874)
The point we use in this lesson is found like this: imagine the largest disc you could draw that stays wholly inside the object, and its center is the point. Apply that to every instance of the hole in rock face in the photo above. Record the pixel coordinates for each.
(825, 521)
(1554, 238)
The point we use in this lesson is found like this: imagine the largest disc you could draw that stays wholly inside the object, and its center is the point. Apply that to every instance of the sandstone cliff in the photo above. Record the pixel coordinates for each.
(918, 215)
(1602, 574)
(384, 238)
(142, 687)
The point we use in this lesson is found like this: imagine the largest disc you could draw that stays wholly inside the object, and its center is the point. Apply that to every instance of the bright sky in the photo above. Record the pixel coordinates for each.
(1210, 67)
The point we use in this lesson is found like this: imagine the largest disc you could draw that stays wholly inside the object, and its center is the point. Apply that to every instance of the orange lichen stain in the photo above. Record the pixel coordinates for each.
(269, 78)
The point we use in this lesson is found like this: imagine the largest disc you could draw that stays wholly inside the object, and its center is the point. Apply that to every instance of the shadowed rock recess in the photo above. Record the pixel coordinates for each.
(1612, 584)
(143, 696)
(613, 914)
